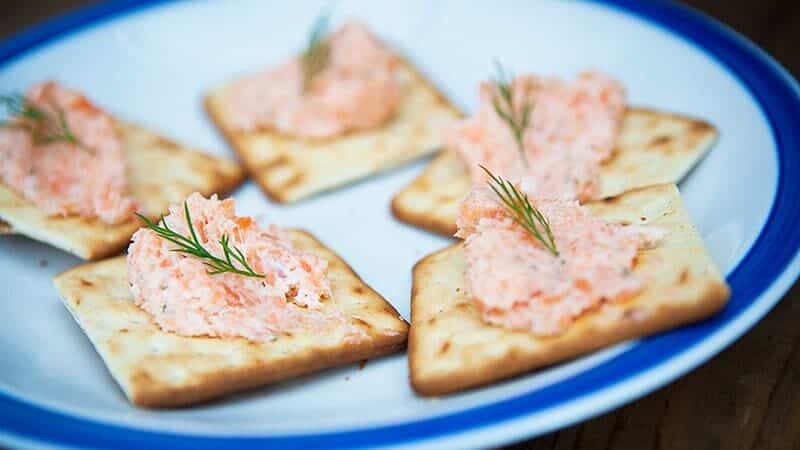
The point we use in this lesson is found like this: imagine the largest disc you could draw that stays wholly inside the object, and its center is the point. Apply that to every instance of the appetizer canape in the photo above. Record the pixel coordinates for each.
(206, 303)
(539, 281)
(346, 108)
(72, 176)
(577, 140)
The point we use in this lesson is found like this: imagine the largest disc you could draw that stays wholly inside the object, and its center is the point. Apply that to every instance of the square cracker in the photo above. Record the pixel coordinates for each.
(160, 369)
(289, 168)
(451, 349)
(160, 172)
(653, 148)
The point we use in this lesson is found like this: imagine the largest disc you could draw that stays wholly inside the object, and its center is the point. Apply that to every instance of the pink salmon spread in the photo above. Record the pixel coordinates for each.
(517, 283)
(357, 90)
(184, 298)
(60, 177)
(572, 129)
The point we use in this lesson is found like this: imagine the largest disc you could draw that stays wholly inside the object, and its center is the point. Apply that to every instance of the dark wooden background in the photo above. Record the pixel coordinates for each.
(748, 397)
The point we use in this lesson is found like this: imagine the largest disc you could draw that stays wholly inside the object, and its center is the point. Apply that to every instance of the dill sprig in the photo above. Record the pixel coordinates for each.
(192, 246)
(503, 102)
(43, 126)
(522, 211)
(317, 54)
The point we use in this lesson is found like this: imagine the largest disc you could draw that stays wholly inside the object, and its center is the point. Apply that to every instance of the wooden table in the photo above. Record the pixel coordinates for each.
(748, 397)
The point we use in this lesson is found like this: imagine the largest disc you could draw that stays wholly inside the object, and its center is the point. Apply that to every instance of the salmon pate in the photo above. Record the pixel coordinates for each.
(357, 88)
(286, 290)
(518, 283)
(64, 154)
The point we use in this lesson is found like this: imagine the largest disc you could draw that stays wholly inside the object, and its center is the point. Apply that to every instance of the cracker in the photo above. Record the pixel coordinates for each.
(160, 369)
(451, 349)
(160, 172)
(290, 168)
(653, 148)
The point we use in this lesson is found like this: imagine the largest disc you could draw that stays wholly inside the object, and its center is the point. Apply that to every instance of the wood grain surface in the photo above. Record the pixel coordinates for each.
(748, 397)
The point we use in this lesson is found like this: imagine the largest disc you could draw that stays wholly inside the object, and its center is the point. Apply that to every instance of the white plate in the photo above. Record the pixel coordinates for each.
(151, 61)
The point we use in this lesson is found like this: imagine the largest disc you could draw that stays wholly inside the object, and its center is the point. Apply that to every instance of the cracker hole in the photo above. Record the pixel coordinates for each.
(362, 322)
(660, 141)
(684, 276)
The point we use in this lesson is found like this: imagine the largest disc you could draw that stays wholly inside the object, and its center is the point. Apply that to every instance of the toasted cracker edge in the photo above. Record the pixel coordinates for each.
(413, 217)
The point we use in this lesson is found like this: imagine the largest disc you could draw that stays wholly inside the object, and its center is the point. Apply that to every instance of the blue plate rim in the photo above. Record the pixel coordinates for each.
(758, 282)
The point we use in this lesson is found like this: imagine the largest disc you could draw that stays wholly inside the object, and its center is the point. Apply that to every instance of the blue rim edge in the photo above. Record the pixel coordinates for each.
(764, 263)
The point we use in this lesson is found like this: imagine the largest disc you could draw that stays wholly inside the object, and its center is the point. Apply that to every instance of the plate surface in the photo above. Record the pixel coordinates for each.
(151, 62)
